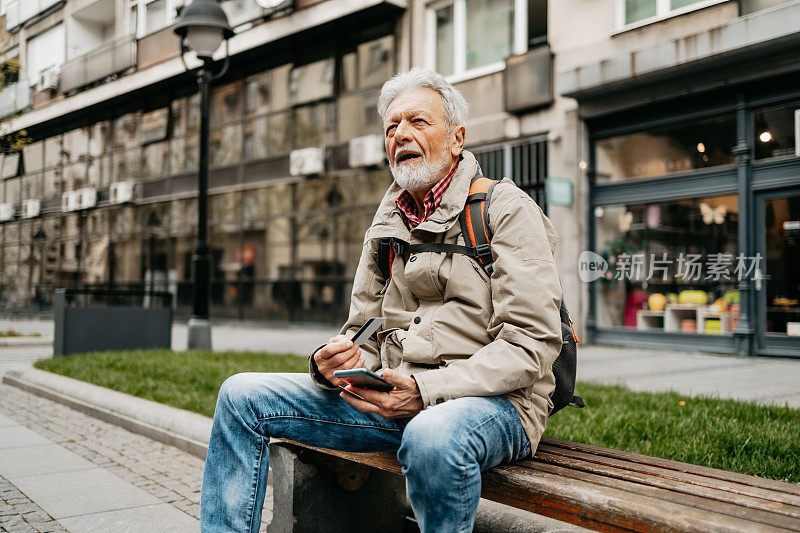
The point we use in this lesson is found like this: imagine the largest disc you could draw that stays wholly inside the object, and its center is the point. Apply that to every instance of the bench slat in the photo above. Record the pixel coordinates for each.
(747, 494)
(706, 500)
(744, 479)
(557, 493)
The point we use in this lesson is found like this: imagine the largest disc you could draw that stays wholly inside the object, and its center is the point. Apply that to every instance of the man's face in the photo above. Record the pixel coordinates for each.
(420, 147)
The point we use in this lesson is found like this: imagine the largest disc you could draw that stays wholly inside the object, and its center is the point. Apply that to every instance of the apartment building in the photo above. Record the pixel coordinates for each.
(639, 126)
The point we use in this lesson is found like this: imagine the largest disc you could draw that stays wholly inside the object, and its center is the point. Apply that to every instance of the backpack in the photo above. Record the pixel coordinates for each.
(477, 234)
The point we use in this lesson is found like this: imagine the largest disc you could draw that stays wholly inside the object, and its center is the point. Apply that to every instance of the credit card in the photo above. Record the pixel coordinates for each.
(366, 331)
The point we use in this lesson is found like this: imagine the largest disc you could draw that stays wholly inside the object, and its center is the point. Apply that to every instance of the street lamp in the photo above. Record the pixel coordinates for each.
(202, 27)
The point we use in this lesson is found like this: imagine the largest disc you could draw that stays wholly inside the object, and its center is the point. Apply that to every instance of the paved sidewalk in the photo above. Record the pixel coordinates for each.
(61, 470)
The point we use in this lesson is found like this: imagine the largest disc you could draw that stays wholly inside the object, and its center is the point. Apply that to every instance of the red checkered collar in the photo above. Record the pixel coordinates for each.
(408, 206)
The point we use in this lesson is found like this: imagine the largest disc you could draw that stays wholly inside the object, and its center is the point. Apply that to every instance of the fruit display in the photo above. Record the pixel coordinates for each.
(672, 297)
(731, 297)
(693, 297)
(719, 305)
(657, 302)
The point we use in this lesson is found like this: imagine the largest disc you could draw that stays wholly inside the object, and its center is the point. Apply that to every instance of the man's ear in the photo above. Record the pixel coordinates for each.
(457, 137)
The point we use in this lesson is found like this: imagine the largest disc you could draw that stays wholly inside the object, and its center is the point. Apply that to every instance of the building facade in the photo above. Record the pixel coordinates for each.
(642, 128)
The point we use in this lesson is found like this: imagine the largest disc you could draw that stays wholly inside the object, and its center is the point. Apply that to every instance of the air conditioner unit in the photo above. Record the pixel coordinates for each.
(70, 201)
(31, 208)
(307, 161)
(6, 212)
(121, 192)
(49, 79)
(366, 151)
(88, 198)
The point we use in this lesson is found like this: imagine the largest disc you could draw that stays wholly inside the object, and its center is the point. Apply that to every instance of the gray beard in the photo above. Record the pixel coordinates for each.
(421, 175)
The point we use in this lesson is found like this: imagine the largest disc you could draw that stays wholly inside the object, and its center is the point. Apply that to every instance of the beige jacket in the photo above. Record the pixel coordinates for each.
(458, 331)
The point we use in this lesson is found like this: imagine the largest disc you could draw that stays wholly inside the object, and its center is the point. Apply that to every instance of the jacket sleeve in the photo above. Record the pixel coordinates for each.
(525, 324)
(365, 302)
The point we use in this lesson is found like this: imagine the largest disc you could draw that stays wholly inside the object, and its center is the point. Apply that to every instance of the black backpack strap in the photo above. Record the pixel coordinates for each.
(577, 401)
(388, 249)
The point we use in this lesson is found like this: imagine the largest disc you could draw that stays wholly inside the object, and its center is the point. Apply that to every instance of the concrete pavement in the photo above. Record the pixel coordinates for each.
(45, 447)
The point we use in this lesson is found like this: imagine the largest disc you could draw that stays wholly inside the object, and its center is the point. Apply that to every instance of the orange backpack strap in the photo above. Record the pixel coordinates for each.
(475, 221)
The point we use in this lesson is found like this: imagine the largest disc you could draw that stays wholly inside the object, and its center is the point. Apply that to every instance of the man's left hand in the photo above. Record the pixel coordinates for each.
(404, 401)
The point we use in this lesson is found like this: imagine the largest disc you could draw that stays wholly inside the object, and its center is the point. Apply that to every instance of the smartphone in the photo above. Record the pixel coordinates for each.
(363, 378)
(351, 393)
(366, 331)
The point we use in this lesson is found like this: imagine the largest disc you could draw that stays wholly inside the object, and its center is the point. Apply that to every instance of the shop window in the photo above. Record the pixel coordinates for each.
(10, 165)
(658, 280)
(311, 82)
(255, 202)
(127, 165)
(52, 151)
(13, 191)
(177, 155)
(315, 125)
(279, 132)
(678, 148)
(76, 145)
(640, 11)
(225, 145)
(375, 64)
(155, 160)
(361, 110)
(782, 289)
(32, 186)
(34, 156)
(224, 207)
(52, 183)
(467, 35)
(126, 131)
(777, 131)
(226, 103)
(256, 139)
(74, 176)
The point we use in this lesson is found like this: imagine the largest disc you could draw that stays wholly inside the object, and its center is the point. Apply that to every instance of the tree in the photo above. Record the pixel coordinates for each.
(9, 74)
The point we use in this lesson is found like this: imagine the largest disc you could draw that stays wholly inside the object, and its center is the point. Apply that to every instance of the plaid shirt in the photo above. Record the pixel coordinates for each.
(408, 206)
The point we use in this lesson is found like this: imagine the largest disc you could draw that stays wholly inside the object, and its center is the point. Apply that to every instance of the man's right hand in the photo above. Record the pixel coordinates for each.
(339, 354)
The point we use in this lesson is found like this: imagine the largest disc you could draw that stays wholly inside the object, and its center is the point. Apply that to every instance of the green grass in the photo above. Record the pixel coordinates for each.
(726, 434)
(189, 380)
(730, 435)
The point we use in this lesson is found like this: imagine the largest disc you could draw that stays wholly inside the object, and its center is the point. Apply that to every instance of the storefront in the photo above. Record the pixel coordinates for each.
(695, 215)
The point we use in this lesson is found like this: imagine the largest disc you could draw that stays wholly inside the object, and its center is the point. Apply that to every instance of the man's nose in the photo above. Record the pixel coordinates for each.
(402, 133)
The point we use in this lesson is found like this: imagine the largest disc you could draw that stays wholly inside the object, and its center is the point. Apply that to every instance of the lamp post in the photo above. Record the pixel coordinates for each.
(202, 27)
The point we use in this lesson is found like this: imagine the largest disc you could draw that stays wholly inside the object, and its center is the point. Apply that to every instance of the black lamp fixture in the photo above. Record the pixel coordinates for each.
(202, 28)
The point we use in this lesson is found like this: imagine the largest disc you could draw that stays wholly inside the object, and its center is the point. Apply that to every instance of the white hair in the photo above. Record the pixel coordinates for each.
(455, 106)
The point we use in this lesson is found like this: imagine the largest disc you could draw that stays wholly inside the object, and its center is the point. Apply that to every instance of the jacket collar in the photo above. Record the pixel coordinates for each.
(388, 221)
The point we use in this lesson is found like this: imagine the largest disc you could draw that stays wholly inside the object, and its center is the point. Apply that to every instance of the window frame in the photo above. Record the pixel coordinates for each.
(140, 24)
(460, 72)
(663, 12)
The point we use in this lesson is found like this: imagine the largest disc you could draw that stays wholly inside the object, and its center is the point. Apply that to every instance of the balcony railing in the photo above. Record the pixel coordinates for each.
(19, 11)
(13, 98)
(109, 58)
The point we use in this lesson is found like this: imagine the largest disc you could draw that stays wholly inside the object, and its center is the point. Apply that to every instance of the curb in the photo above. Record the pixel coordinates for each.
(23, 342)
(183, 429)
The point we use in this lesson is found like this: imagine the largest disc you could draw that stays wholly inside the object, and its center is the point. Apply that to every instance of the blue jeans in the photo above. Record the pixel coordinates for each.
(442, 450)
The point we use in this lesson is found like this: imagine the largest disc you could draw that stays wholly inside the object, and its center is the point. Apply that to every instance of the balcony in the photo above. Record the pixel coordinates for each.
(20, 11)
(110, 58)
(14, 98)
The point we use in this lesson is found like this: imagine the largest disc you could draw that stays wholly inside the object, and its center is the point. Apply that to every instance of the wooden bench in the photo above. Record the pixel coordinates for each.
(597, 488)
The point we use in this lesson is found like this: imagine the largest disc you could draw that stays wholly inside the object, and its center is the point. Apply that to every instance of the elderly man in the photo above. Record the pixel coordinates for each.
(470, 354)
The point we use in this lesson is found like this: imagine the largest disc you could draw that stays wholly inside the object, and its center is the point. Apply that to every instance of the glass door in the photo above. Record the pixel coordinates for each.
(777, 281)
